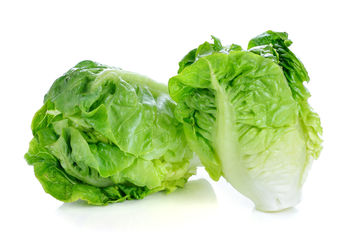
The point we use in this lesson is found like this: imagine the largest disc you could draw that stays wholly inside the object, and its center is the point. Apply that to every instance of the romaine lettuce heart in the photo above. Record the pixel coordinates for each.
(106, 135)
(245, 114)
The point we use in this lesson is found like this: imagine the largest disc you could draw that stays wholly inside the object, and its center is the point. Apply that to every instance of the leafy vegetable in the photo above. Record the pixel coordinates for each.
(106, 135)
(246, 115)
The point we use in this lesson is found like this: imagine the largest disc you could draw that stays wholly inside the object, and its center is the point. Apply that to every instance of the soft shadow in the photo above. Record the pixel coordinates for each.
(191, 203)
(283, 214)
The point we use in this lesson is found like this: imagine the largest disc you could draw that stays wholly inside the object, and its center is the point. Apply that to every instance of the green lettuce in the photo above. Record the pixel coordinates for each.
(245, 114)
(107, 135)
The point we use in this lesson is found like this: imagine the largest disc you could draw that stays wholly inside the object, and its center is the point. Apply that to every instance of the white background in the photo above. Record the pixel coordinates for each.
(40, 40)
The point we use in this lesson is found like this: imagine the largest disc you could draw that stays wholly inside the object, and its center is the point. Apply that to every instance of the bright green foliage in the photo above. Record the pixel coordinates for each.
(106, 135)
(246, 116)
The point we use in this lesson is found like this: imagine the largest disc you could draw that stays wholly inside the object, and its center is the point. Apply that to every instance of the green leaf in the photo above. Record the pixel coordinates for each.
(296, 75)
(206, 49)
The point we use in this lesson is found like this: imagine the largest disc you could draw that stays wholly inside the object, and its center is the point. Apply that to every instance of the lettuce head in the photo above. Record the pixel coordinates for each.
(107, 135)
(246, 115)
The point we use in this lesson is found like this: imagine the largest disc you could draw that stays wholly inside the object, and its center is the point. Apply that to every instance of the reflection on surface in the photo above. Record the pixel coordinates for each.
(193, 203)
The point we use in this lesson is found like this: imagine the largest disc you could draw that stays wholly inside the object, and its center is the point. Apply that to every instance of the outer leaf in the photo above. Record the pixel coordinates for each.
(206, 49)
(296, 75)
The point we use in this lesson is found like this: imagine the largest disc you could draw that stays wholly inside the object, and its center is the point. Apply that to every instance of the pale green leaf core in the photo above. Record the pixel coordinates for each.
(271, 179)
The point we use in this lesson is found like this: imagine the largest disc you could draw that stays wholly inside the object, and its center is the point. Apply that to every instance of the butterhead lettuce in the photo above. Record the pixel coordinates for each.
(107, 135)
(245, 114)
